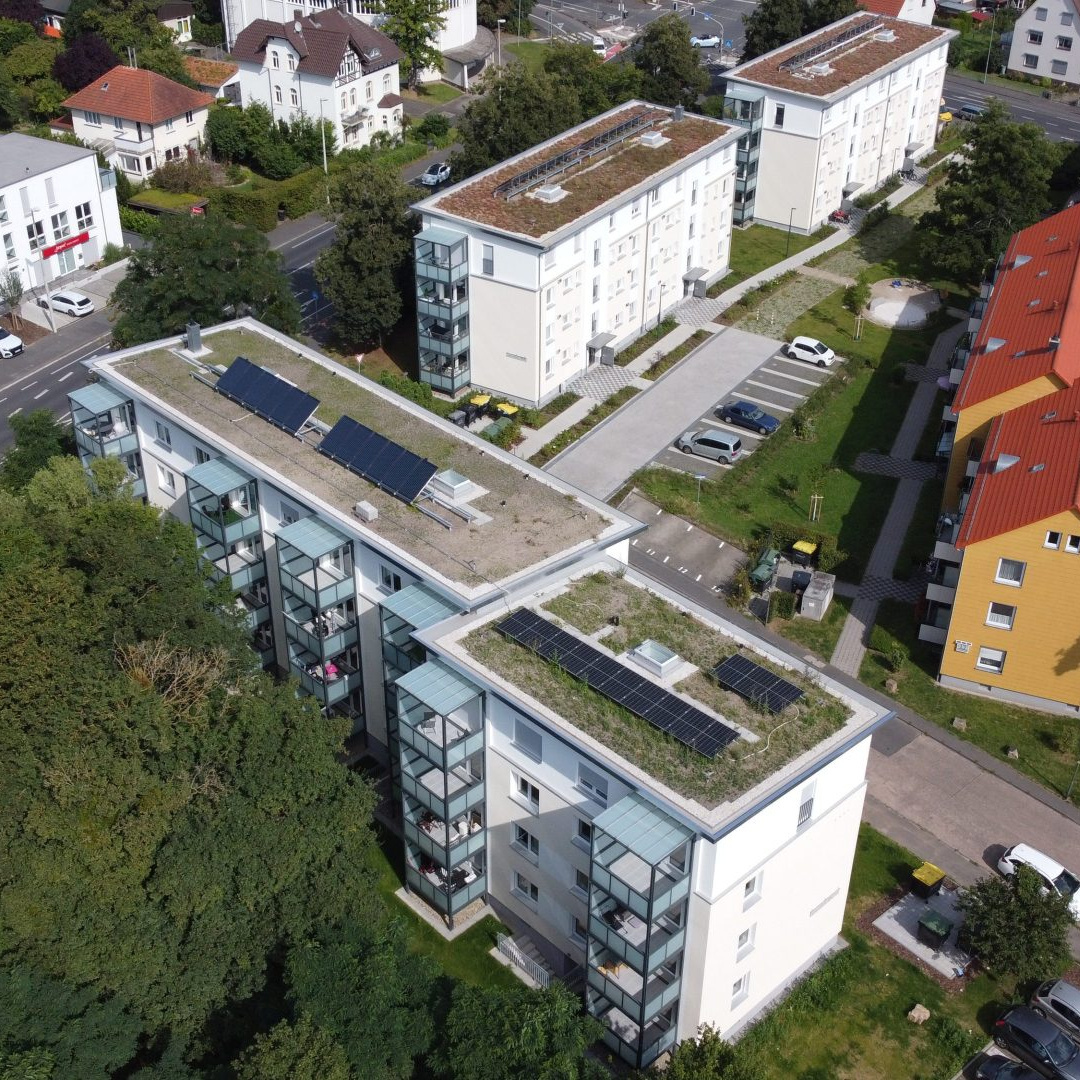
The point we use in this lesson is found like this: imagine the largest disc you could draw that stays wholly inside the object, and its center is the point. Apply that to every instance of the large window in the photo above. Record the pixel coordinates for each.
(9, 245)
(525, 889)
(991, 660)
(1035, 37)
(1001, 615)
(1064, 43)
(92, 118)
(61, 227)
(35, 233)
(528, 740)
(84, 216)
(593, 784)
(778, 118)
(488, 253)
(526, 843)
(1010, 572)
(3, 211)
(528, 793)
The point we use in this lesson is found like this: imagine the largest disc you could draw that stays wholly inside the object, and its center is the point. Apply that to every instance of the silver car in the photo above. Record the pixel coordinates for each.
(1060, 1002)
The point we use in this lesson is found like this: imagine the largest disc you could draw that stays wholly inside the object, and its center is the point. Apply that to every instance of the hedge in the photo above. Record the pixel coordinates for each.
(784, 534)
(258, 205)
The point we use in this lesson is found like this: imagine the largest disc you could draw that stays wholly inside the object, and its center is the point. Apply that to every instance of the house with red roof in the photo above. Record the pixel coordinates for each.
(917, 11)
(138, 119)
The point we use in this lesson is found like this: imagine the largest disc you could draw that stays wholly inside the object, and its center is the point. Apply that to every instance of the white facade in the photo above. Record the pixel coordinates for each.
(816, 148)
(51, 194)
(1046, 42)
(916, 11)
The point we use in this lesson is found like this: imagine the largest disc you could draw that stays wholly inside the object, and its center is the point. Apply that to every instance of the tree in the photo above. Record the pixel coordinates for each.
(770, 25)
(368, 268)
(670, 70)
(11, 294)
(39, 437)
(226, 132)
(515, 12)
(820, 13)
(85, 59)
(28, 11)
(707, 1057)
(599, 86)
(12, 33)
(200, 269)
(1016, 927)
(300, 1051)
(982, 205)
(129, 24)
(507, 1034)
(414, 26)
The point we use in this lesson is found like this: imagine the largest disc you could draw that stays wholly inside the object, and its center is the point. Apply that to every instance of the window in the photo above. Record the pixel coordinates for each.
(577, 929)
(388, 580)
(549, 259)
(778, 118)
(1010, 572)
(35, 233)
(611, 221)
(549, 298)
(1053, 539)
(92, 118)
(201, 455)
(3, 211)
(84, 216)
(1059, 67)
(289, 514)
(593, 784)
(525, 842)
(292, 62)
(525, 889)
(118, 123)
(583, 833)
(528, 791)
(740, 989)
(9, 245)
(386, 84)
(991, 660)
(166, 480)
(1066, 18)
(130, 164)
(189, 117)
(275, 60)
(369, 91)
(806, 806)
(169, 124)
(595, 289)
(1064, 43)
(581, 883)
(745, 944)
(693, 193)
(635, 208)
(488, 259)
(528, 740)
(1035, 37)
(61, 227)
(752, 890)
(277, 94)
(1072, 545)
(162, 434)
(1040, 14)
(294, 97)
(1001, 615)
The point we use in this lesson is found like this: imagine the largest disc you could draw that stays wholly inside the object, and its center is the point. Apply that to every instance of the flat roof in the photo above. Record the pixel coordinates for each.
(590, 184)
(524, 519)
(841, 55)
(23, 156)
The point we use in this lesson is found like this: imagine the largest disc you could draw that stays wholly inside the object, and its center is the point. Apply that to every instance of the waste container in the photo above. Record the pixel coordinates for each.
(281, 212)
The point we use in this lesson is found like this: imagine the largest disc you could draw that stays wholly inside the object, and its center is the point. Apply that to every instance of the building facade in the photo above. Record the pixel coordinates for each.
(58, 209)
(1046, 42)
(139, 119)
(327, 65)
(677, 890)
(532, 271)
(917, 11)
(833, 115)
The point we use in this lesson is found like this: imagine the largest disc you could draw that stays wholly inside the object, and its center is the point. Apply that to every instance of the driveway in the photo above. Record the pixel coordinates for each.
(602, 461)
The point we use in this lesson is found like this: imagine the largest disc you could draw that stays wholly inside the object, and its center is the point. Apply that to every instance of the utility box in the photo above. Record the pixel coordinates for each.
(817, 596)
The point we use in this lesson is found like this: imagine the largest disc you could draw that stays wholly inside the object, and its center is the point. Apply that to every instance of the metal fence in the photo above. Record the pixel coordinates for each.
(509, 949)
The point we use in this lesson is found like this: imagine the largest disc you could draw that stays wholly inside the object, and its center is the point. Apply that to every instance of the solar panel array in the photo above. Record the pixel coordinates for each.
(756, 684)
(266, 394)
(377, 459)
(605, 675)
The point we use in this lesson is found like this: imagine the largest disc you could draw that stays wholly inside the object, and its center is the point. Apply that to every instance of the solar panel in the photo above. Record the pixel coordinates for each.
(267, 395)
(377, 459)
(605, 675)
(756, 684)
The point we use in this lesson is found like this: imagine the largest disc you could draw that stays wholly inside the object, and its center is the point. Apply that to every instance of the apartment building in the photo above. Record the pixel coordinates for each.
(138, 119)
(325, 65)
(57, 208)
(530, 272)
(918, 11)
(645, 824)
(833, 115)
(1045, 42)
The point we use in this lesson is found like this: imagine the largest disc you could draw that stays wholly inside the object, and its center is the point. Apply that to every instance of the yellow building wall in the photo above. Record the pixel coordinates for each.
(974, 423)
(1043, 647)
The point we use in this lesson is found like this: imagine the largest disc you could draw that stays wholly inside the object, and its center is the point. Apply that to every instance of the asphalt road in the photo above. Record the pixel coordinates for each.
(1058, 117)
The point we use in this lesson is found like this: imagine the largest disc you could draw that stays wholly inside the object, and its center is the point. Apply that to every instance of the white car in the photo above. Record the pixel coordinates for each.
(1054, 875)
(435, 174)
(811, 350)
(712, 42)
(68, 302)
(10, 345)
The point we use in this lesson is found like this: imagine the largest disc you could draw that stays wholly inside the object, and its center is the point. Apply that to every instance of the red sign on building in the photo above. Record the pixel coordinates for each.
(65, 245)
(196, 210)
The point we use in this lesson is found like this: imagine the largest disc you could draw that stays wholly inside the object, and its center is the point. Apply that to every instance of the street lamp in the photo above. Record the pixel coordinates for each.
(660, 306)
(498, 36)
(787, 245)
(990, 47)
(44, 266)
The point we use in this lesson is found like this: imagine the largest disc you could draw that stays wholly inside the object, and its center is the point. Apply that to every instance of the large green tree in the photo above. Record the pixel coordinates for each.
(300, 1051)
(599, 86)
(707, 1057)
(515, 12)
(820, 13)
(984, 201)
(414, 26)
(671, 71)
(129, 24)
(368, 268)
(770, 25)
(38, 438)
(201, 269)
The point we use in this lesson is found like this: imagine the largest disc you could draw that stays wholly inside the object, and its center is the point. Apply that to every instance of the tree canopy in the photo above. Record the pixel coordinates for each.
(201, 269)
(414, 26)
(39, 437)
(981, 205)
(773, 23)
(277, 149)
(85, 59)
(671, 72)
(128, 24)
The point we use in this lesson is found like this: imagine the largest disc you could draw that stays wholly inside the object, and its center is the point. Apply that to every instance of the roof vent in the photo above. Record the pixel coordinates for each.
(1042, 273)
(653, 139)
(1038, 468)
(1005, 461)
(820, 69)
(366, 511)
(1055, 341)
(1049, 416)
(549, 193)
(104, 86)
(885, 35)
(1034, 303)
(655, 658)
(297, 27)
(679, 113)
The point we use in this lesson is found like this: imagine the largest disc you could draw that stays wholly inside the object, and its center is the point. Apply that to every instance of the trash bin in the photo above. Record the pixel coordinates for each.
(281, 212)
(1046, 94)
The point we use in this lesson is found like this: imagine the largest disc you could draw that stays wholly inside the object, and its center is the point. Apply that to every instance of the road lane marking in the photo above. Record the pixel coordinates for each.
(29, 384)
(41, 395)
(65, 376)
(86, 348)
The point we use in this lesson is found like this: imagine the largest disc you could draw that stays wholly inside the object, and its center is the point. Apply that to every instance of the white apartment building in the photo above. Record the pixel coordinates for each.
(1045, 42)
(666, 852)
(535, 269)
(138, 119)
(917, 11)
(832, 115)
(325, 65)
(57, 208)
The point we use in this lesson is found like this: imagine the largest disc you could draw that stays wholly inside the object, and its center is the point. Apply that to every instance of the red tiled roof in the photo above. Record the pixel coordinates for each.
(390, 101)
(1035, 298)
(209, 72)
(883, 7)
(1035, 451)
(135, 94)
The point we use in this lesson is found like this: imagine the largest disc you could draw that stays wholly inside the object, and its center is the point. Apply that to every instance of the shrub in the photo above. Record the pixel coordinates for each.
(881, 640)
(257, 207)
(739, 590)
(802, 423)
(114, 253)
(194, 177)
(857, 296)
(417, 392)
(507, 438)
(895, 658)
(958, 1043)
(878, 216)
(782, 605)
(829, 556)
(432, 128)
(138, 221)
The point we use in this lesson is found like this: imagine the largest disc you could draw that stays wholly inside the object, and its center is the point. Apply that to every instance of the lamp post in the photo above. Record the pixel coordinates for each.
(699, 477)
(498, 38)
(990, 47)
(660, 306)
(44, 266)
(787, 244)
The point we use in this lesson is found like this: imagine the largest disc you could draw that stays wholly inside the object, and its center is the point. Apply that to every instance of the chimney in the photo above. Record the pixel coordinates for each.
(1055, 341)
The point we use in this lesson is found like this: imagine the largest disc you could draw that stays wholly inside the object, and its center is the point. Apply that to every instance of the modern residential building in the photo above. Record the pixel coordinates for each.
(325, 65)
(917, 11)
(535, 269)
(833, 115)
(1046, 42)
(558, 742)
(219, 78)
(57, 208)
(466, 47)
(138, 119)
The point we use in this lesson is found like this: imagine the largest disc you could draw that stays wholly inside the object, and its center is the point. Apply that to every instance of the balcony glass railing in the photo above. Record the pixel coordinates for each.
(328, 588)
(431, 840)
(440, 740)
(328, 690)
(113, 439)
(224, 526)
(663, 945)
(435, 894)
(666, 892)
(464, 790)
(322, 637)
(622, 988)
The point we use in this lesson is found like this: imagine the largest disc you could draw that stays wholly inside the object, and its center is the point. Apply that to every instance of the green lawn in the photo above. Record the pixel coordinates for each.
(531, 53)
(819, 637)
(1041, 738)
(758, 247)
(436, 93)
(157, 199)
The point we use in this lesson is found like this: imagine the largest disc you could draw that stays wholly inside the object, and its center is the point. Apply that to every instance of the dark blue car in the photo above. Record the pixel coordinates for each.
(748, 415)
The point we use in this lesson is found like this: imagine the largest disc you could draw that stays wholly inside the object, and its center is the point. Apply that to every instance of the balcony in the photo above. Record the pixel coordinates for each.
(443, 341)
(324, 634)
(624, 935)
(315, 564)
(465, 884)
(445, 373)
(103, 422)
(622, 986)
(447, 846)
(132, 144)
(441, 255)
(254, 608)
(636, 1048)
(447, 795)
(935, 624)
(324, 682)
(243, 564)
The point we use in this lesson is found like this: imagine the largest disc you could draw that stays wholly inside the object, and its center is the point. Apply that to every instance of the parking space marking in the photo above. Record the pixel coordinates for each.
(698, 578)
(775, 389)
(793, 378)
(741, 432)
(804, 364)
(719, 547)
(767, 404)
(666, 557)
(689, 527)
(15, 412)
(42, 394)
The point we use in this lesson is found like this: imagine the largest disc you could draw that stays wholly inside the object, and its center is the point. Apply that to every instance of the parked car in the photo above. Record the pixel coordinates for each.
(438, 172)
(1003, 1068)
(746, 414)
(811, 350)
(68, 302)
(970, 112)
(1038, 1043)
(10, 345)
(841, 216)
(710, 42)
(1059, 1001)
(1054, 875)
(718, 445)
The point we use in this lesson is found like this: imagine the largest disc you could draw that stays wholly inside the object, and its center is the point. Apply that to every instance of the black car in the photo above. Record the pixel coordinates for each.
(1003, 1068)
(748, 415)
(1038, 1043)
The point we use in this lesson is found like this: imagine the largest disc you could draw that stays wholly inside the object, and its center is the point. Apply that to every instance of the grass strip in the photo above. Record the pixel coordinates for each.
(646, 341)
(669, 360)
(572, 434)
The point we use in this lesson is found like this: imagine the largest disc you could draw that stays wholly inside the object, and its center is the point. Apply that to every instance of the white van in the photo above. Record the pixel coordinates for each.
(1054, 875)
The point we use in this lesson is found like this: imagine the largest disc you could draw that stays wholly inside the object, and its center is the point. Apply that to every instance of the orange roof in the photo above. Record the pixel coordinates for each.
(1030, 468)
(883, 7)
(210, 72)
(135, 94)
(1034, 301)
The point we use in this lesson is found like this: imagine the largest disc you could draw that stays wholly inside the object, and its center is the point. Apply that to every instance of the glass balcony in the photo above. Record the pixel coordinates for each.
(445, 373)
(103, 422)
(622, 986)
(325, 634)
(447, 303)
(625, 1037)
(255, 610)
(448, 895)
(441, 255)
(223, 516)
(624, 936)
(448, 795)
(315, 564)
(330, 683)
(447, 846)
(242, 564)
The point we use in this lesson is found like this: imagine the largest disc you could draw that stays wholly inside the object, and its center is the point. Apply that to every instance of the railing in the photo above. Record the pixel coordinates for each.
(541, 976)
